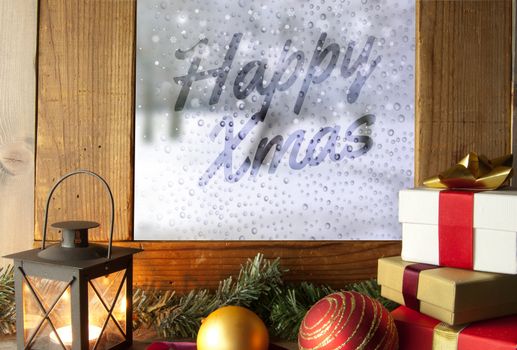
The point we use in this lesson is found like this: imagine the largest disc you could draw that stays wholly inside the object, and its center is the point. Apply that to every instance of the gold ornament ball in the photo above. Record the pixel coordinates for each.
(232, 328)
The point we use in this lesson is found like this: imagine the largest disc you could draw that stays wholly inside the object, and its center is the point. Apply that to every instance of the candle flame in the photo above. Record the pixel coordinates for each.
(123, 305)
(65, 333)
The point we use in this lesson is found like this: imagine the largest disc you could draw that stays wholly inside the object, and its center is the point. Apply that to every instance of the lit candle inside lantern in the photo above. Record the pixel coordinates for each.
(65, 333)
(120, 311)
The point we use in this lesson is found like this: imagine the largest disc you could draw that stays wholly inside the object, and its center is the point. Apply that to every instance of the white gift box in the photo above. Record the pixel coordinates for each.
(494, 233)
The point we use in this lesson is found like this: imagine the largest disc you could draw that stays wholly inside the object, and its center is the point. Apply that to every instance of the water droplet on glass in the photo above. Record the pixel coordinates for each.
(195, 103)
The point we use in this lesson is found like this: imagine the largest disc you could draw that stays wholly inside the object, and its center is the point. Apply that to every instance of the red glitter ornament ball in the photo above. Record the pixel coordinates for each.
(348, 321)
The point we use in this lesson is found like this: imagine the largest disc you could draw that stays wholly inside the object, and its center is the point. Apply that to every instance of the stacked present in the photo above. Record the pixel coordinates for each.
(457, 276)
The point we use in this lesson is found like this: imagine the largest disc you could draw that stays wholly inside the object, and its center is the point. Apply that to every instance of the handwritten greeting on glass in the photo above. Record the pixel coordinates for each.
(273, 119)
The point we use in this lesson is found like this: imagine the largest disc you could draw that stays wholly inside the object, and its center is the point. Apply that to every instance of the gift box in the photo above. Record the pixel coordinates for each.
(418, 331)
(454, 296)
(463, 229)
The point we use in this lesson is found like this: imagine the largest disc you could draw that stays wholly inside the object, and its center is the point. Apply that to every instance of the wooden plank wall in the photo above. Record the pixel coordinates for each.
(18, 32)
(464, 81)
(86, 89)
(85, 109)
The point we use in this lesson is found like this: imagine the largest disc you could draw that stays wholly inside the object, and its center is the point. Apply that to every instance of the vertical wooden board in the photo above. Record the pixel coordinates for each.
(18, 33)
(85, 110)
(463, 81)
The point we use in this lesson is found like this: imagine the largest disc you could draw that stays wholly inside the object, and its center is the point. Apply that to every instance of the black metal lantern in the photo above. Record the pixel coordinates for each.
(74, 295)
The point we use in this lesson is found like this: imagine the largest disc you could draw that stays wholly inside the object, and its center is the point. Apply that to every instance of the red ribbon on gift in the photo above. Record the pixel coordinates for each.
(456, 229)
(410, 284)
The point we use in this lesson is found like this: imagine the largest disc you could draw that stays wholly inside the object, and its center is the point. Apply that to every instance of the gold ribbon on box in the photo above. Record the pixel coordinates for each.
(446, 337)
(474, 172)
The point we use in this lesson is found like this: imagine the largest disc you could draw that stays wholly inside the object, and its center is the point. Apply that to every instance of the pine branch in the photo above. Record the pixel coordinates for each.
(180, 317)
(372, 289)
(290, 306)
(257, 278)
(7, 307)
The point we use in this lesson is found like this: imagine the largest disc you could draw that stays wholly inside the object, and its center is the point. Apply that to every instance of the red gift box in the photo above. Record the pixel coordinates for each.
(418, 331)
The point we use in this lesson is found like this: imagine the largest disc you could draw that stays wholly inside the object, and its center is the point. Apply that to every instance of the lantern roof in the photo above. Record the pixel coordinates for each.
(75, 225)
(74, 256)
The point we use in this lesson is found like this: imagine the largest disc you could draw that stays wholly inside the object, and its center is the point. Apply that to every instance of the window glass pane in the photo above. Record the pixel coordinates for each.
(273, 120)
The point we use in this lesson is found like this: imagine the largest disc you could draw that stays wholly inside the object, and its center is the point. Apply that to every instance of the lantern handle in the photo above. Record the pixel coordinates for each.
(63, 178)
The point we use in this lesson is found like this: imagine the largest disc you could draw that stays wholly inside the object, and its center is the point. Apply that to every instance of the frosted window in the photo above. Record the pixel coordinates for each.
(269, 119)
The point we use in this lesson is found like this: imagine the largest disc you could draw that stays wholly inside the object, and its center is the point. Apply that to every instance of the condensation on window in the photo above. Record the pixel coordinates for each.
(273, 120)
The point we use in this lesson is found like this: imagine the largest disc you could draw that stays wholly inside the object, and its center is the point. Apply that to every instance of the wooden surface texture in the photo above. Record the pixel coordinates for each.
(188, 265)
(18, 32)
(86, 84)
(463, 82)
(85, 110)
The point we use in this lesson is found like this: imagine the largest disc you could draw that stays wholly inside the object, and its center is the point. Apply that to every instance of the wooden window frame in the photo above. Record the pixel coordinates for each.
(85, 119)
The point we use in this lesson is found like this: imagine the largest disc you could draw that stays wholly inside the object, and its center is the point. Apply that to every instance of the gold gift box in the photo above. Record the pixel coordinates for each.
(453, 296)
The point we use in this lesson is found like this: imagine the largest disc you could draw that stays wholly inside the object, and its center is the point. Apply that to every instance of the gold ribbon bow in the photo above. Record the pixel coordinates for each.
(474, 172)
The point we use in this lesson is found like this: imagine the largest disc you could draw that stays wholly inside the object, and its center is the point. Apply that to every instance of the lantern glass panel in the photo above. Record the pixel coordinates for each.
(107, 309)
(42, 296)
